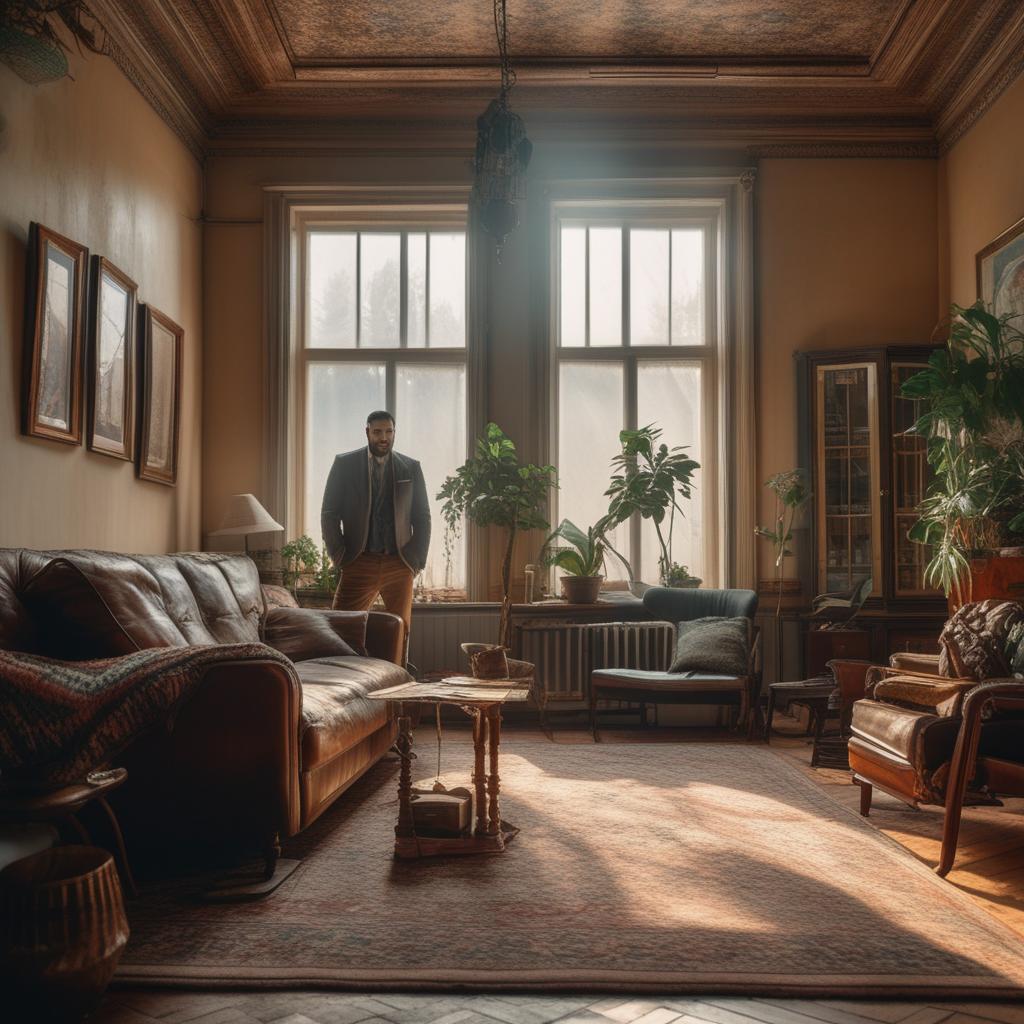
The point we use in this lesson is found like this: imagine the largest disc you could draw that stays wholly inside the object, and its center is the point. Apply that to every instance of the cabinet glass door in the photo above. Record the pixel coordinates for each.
(848, 498)
(911, 475)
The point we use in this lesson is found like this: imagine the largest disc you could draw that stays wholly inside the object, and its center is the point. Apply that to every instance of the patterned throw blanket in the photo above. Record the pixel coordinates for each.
(62, 719)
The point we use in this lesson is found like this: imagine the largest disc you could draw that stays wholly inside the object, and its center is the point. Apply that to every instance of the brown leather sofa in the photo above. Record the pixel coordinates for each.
(256, 751)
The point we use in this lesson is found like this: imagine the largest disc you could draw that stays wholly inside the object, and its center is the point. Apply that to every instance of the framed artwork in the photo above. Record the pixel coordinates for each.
(1000, 267)
(111, 362)
(160, 355)
(52, 369)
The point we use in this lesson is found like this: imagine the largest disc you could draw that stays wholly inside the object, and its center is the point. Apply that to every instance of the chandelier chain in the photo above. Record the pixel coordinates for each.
(508, 74)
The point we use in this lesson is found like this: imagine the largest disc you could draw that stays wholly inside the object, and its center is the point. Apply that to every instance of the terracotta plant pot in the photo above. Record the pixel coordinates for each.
(581, 589)
(62, 931)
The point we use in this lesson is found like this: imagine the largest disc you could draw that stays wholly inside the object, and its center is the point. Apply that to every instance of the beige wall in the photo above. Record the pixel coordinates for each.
(982, 193)
(847, 256)
(90, 159)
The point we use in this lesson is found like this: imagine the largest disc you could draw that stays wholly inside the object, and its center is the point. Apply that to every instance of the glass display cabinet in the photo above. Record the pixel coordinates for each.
(867, 475)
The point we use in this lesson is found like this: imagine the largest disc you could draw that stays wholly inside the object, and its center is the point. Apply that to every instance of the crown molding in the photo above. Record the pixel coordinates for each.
(222, 75)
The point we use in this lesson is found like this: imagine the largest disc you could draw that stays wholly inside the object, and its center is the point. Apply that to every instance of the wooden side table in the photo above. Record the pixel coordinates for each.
(28, 802)
(482, 701)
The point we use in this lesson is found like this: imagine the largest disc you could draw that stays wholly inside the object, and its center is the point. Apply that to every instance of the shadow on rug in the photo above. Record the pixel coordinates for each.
(667, 867)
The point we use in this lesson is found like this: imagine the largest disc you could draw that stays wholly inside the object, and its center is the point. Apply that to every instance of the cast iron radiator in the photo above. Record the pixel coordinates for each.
(565, 653)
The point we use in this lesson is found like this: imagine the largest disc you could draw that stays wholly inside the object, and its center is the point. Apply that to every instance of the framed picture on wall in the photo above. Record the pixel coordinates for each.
(52, 369)
(111, 362)
(1000, 268)
(160, 355)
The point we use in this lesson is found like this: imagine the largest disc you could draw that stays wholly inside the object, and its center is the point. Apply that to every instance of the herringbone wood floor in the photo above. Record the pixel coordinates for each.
(990, 867)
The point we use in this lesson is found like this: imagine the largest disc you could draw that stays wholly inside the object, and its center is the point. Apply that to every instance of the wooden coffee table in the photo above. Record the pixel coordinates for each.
(481, 700)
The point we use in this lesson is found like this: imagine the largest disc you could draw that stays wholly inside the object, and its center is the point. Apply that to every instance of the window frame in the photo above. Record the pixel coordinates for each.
(723, 208)
(394, 219)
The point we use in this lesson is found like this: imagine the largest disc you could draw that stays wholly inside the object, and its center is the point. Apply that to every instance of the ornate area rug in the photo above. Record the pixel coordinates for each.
(651, 867)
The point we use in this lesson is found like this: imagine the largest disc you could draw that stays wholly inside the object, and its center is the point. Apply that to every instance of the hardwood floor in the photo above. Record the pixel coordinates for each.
(989, 868)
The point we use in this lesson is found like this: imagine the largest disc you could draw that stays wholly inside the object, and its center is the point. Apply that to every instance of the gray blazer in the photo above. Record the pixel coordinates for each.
(345, 513)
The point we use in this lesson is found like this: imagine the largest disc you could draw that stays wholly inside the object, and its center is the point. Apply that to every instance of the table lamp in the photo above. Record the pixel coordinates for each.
(246, 515)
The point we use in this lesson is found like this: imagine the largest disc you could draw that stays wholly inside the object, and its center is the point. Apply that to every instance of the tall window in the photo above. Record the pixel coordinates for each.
(636, 344)
(383, 326)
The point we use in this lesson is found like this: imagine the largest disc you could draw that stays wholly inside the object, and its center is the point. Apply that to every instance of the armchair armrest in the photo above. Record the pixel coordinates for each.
(918, 664)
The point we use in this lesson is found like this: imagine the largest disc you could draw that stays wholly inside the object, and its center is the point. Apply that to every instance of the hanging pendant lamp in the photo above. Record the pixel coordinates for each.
(502, 151)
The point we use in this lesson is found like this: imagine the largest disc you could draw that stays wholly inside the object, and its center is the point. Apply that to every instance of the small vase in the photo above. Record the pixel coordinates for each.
(62, 931)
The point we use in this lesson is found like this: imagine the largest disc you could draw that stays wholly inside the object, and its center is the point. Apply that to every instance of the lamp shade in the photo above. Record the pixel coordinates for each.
(246, 515)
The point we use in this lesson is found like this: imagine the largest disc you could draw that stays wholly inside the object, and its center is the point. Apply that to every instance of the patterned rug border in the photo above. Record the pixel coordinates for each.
(809, 985)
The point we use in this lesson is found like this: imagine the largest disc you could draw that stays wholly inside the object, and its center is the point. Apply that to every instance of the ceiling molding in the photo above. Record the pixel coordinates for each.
(224, 75)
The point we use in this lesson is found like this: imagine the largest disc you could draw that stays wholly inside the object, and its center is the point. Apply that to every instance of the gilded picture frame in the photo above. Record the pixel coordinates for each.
(1000, 273)
(110, 379)
(55, 284)
(160, 366)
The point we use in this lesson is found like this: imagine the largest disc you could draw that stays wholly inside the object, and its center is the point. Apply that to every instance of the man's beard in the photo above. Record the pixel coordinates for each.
(379, 449)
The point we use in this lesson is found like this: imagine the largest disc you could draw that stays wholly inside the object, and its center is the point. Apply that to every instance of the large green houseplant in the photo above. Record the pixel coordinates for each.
(493, 488)
(649, 480)
(972, 397)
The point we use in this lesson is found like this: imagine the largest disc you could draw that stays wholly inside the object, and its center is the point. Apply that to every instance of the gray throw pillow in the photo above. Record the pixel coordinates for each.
(717, 645)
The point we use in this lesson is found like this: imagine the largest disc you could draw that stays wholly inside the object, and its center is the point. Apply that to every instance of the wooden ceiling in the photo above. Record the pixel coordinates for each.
(858, 76)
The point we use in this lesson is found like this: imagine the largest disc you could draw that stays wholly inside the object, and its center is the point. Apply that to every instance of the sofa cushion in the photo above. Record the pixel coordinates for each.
(79, 618)
(714, 644)
(336, 713)
(665, 682)
(304, 633)
(915, 737)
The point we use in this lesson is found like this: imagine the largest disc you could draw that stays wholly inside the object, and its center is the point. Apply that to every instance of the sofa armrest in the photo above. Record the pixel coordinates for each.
(385, 637)
(226, 767)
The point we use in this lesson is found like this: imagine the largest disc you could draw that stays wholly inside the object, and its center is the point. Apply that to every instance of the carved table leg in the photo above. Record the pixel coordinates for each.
(404, 830)
(494, 728)
(479, 776)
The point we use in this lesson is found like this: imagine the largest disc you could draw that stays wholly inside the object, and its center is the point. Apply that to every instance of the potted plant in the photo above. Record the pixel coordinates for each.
(494, 489)
(679, 576)
(581, 558)
(309, 573)
(972, 395)
(650, 479)
(791, 494)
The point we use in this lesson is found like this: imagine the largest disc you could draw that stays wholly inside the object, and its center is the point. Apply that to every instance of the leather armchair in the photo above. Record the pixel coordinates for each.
(931, 738)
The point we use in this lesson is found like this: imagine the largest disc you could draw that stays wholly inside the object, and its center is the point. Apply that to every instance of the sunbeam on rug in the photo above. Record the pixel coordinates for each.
(666, 867)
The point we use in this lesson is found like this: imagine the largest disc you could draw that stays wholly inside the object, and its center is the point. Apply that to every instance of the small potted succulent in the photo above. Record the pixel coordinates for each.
(581, 558)
(676, 575)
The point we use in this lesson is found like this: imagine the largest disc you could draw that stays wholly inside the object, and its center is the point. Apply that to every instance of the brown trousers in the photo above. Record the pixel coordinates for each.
(369, 575)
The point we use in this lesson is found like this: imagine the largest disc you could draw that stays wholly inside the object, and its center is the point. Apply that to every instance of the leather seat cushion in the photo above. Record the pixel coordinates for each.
(669, 682)
(336, 713)
(916, 737)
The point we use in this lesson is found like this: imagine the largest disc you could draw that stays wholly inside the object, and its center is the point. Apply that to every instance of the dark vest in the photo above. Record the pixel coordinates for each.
(381, 536)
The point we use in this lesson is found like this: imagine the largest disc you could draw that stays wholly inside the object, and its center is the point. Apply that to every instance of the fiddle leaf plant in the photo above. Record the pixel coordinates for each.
(972, 401)
(493, 488)
(649, 480)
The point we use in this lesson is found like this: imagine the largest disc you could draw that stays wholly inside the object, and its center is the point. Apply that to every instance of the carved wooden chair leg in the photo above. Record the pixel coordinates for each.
(865, 795)
(593, 716)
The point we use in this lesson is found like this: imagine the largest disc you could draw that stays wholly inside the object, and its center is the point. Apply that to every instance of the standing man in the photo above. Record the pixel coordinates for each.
(376, 522)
